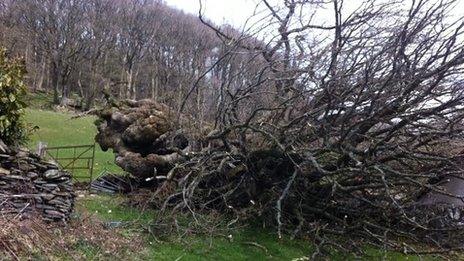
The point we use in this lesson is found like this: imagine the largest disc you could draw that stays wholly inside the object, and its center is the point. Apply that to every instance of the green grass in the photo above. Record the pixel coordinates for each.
(246, 244)
(40, 100)
(250, 243)
(58, 129)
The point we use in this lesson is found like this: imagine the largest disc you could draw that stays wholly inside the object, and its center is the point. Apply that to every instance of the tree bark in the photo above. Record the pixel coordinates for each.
(55, 81)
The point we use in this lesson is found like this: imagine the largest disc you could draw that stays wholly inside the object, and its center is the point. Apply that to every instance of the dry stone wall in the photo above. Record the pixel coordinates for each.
(29, 184)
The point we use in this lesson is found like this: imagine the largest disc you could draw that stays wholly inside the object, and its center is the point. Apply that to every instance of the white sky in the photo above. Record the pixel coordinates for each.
(236, 12)
(233, 12)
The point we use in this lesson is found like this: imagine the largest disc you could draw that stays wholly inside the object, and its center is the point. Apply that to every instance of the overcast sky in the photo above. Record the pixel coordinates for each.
(233, 12)
(236, 12)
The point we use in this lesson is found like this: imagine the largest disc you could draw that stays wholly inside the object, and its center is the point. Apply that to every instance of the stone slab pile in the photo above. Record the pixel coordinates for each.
(29, 184)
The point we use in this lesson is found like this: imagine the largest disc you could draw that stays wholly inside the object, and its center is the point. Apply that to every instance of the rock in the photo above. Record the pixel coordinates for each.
(23, 166)
(29, 184)
(52, 174)
(54, 214)
(3, 147)
(32, 175)
(61, 194)
(4, 171)
(16, 177)
(21, 154)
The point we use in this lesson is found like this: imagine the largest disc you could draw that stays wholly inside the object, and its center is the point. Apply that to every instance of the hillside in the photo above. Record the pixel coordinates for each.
(58, 129)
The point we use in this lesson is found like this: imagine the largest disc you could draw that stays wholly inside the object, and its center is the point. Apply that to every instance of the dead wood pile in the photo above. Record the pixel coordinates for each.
(292, 190)
(29, 184)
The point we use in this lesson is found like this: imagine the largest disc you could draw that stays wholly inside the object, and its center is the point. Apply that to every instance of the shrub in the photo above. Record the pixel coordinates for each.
(12, 95)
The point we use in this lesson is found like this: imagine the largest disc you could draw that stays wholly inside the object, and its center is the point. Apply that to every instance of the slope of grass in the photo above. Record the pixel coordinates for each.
(59, 129)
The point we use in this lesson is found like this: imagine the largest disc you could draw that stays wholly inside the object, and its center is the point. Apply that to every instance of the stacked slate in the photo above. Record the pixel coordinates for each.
(113, 183)
(29, 184)
(118, 184)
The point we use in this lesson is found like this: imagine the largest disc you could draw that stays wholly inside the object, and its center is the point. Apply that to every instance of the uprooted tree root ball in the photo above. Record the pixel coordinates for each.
(321, 192)
(143, 137)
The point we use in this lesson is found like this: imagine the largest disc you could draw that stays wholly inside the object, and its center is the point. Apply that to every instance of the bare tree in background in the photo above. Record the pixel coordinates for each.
(134, 49)
(57, 30)
(97, 40)
(134, 36)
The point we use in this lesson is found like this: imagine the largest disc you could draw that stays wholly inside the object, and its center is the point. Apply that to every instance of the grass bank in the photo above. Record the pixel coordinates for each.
(59, 129)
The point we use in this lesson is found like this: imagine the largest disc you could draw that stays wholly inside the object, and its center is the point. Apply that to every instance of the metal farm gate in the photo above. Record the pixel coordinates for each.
(77, 159)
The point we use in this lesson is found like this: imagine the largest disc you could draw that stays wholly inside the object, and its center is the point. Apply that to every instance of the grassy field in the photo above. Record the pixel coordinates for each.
(58, 129)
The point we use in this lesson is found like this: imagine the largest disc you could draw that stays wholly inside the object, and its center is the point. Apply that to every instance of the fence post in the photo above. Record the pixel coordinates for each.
(41, 147)
(91, 166)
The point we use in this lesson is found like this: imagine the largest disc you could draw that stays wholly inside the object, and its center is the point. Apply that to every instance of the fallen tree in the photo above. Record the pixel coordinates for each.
(284, 189)
(352, 148)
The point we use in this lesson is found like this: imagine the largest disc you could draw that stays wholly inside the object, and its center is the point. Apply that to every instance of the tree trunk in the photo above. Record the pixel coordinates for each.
(39, 85)
(55, 83)
(121, 86)
(129, 83)
(131, 92)
(79, 84)
(154, 83)
(64, 87)
(134, 86)
(91, 92)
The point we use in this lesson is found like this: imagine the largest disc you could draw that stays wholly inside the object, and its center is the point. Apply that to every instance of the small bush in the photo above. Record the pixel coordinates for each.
(12, 96)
